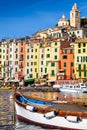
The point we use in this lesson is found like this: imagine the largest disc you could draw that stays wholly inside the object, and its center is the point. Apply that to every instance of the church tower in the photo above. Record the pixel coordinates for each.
(75, 16)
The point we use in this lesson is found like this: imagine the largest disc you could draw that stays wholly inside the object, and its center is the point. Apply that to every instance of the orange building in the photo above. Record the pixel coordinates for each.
(21, 72)
(66, 61)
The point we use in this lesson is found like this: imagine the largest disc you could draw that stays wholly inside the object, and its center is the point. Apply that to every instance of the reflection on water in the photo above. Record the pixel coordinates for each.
(7, 114)
(6, 111)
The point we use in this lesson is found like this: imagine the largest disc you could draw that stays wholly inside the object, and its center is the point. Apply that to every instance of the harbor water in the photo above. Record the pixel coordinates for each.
(8, 119)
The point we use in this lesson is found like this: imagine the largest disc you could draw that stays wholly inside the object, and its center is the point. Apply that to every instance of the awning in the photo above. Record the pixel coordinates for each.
(29, 80)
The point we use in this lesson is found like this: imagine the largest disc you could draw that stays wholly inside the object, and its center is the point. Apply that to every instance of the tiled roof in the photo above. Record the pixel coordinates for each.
(65, 44)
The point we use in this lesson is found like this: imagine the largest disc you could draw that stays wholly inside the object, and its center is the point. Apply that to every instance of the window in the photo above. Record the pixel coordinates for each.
(16, 56)
(27, 63)
(55, 49)
(31, 50)
(79, 67)
(46, 63)
(31, 63)
(65, 51)
(16, 62)
(35, 50)
(64, 57)
(31, 69)
(10, 56)
(27, 71)
(79, 45)
(27, 56)
(71, 51)
(42, 56)
(31, 56)
(35, 63)
(52, 64)
(55, 57)
(73, 71)
(84, 59)
(3, 51)
(36, 57)
(79, 59)
(52, 72)
(84, 50)
(47, 49)
(10, 49)
(79, 51)
(16, 50)
(27, 50)
(84, 73)
(16, 44)
(21, 49)
(41, 62)
(0, 50)
(78, 32)
(84, 44)
(72, 64)
(7, 57)
(64, 64)
(35, 69)
(79, 74)
(16, 70)
(45, 70)
(41, 69)
(48, 55)
(84, 66)
(21, 57)
(55, 43)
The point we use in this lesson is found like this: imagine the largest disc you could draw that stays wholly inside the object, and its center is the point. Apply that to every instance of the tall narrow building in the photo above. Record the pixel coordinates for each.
(75, 16)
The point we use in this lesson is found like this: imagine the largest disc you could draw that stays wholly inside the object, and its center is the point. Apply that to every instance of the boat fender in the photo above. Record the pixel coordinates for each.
(31, 108)
(73, 118)
(50, 115)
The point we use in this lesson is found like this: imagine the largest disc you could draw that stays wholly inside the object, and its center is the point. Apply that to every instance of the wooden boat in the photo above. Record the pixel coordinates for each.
(50, 115)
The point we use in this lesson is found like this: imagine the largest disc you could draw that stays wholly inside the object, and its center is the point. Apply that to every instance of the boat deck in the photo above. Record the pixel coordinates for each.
(70, 107)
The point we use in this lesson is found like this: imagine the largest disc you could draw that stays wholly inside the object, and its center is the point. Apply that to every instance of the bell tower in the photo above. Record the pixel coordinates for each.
(75, 16)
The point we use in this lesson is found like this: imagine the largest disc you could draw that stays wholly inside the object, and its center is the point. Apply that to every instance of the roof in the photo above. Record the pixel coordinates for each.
(81, 40)
(63, 18)
(65, 44)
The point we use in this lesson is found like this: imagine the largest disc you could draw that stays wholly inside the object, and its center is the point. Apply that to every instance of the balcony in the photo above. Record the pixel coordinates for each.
(21, 66)
(21, 59)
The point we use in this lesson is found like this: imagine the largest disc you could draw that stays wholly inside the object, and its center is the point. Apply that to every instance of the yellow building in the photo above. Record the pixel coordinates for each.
(53, 62)
(32, 59)
(80, 53)
(49, 59)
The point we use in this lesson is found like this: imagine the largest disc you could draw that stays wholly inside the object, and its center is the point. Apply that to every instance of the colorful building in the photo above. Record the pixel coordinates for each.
(66, 61)
(80, 52)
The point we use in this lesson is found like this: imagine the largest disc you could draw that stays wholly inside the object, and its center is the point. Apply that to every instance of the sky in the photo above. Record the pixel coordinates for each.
(20, 18)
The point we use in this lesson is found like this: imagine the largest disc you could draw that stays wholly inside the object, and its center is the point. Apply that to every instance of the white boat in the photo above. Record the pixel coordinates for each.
(76, 88)
(48, 117)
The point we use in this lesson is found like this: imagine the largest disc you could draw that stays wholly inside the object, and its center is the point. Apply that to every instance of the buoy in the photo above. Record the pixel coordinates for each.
(50, 115)
(30, 108)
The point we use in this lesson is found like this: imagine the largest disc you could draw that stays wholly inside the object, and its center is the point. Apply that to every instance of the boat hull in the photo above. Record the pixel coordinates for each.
(57, 122)
(70, 90)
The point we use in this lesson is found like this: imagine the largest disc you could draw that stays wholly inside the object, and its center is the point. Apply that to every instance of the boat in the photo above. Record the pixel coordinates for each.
(49, 115)
(5, 88)
(75, 88)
